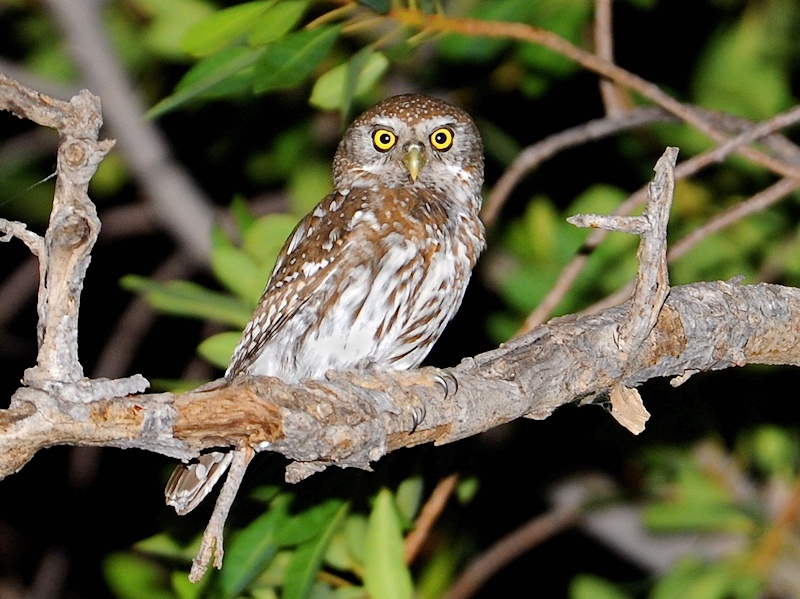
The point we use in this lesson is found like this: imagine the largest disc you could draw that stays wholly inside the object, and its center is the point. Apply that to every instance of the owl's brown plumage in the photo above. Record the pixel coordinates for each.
(373, 274)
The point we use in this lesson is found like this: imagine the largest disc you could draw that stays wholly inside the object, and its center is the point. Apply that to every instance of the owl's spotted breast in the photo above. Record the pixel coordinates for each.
(371, 277)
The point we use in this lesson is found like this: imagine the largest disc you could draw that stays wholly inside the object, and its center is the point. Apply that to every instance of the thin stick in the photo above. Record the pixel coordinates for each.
(537, 153)
(590, 61)
(685, 169)
(428, 516)
(213, 535)
(509, 548)
(761, 201)
(614, 100)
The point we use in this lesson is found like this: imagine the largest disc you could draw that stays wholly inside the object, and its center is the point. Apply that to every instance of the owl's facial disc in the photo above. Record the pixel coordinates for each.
(414, 159)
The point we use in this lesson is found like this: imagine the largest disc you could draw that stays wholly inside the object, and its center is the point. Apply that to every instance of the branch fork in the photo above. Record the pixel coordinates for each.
(651, 287)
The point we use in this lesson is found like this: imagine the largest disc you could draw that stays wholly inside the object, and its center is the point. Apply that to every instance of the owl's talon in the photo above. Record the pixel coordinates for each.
(417, 414)
(449, 382)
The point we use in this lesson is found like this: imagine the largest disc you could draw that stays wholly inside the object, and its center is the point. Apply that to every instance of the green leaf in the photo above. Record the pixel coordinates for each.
(773, 449)
(438, 570)
(696, 580)
(218, 348)
(223, 27)
(349, 551)
(466, 489)
(379, 6)
(308, 185)
(335, 89)
(691, 516)
(252, 549)
(276, 22)
(224, 74)
(465, 48)
(238, 272)
(289, 61)
(409, 497)
(134, 577)
(386, 575)
(264, 239)
(169, 21)
(184, 298)
(744, 68)
(242, 215)
(163, 545)
(307, 524)
(586, 586)
(305, 563)
(185, 588)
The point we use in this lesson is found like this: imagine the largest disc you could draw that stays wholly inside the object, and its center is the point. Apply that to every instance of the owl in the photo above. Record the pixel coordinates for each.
(371, 276)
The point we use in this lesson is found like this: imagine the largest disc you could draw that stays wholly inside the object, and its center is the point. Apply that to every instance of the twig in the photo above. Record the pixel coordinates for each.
(652, 279)
(569, 498)
(30, 79)
(761, 201)
(428, 516)
(537, 153)
(340, 421)
(484, 566)
(51, 574)
(592, 62)
(757, 203)
(685, 169)
(213, 535)
(615, 102)
(118, 352)
(9, 229)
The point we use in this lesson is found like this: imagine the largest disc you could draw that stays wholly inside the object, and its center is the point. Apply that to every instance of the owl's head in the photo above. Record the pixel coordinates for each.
(410, 140)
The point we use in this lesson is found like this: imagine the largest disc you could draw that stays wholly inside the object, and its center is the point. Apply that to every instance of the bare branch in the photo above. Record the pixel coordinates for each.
(212, 537)
(747, 134)
(614, 98)
(485, 565)
(428, 515)
(757, 203)
(652, 280)
(535, 154)
(704, 326)
(592, 62)
(9, 229)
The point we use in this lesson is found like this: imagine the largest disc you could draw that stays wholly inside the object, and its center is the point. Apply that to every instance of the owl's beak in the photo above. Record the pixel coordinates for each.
(414, 159)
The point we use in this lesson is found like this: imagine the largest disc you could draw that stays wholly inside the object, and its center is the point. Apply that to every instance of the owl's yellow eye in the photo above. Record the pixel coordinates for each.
(442, 139)
(384, 140)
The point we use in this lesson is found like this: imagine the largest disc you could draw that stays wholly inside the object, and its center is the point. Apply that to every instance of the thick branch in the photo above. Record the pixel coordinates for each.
(704, 326)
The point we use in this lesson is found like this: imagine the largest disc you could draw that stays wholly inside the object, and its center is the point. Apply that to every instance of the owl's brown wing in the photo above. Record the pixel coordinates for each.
(305, 262)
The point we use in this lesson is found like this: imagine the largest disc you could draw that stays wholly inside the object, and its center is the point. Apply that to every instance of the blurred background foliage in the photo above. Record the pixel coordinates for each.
(252, 97)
